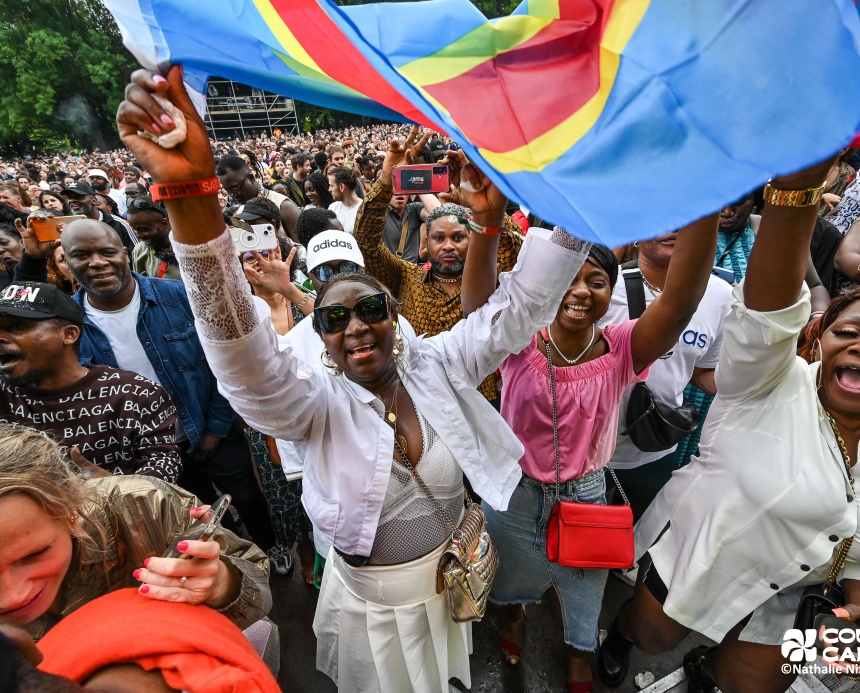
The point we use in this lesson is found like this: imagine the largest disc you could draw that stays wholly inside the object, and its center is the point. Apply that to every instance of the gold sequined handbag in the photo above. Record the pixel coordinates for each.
(469, 563)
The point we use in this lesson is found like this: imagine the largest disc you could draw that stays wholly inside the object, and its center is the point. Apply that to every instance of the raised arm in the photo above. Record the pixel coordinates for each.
(379, 261)
(778, 261)
(689, 269)
(526, 300)
(487, 204)
(262, 384)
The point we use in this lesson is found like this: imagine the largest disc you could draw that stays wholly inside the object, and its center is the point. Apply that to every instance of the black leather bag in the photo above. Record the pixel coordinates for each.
(652, 425)
(817, 600)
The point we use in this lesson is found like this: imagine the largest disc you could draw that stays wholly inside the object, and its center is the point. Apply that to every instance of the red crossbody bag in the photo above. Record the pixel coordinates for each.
(586, 535)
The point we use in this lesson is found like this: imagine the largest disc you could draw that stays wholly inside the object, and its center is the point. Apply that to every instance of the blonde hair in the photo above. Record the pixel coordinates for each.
(35, 465)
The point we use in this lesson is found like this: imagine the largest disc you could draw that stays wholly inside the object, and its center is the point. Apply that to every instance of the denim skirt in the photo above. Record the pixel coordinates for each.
(519, 535)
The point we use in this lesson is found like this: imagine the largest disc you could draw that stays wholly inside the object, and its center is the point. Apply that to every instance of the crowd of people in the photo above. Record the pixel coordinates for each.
(393, 360)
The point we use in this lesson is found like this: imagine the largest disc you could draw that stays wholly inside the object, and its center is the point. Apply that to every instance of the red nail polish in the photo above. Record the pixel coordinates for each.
(199, 507)
(137, 573)
(182, 546)
(143, 589)
(156, 127)
(166, 119)
(146, 562)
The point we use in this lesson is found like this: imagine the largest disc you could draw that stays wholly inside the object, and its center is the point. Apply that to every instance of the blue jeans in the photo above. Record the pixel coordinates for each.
(519, 535)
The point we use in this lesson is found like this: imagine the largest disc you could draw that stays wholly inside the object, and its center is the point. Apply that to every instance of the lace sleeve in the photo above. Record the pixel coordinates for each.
(219, 293)
(566, 240)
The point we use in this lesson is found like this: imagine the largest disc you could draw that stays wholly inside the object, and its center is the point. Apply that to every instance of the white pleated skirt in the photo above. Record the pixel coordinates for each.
(383, 629)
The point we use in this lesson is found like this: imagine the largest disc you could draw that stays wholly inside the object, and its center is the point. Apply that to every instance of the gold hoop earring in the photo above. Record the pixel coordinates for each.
(329, 363)
(399, 356)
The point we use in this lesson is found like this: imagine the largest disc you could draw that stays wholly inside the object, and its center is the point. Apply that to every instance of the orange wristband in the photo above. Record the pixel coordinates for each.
(189, 188)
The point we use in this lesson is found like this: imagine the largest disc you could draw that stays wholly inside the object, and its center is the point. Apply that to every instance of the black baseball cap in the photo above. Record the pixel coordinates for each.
(80, 188)
(38, 301)
(436, 145)
(254, 210)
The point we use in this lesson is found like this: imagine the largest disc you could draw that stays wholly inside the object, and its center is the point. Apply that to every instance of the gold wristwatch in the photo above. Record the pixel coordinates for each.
(792, 198)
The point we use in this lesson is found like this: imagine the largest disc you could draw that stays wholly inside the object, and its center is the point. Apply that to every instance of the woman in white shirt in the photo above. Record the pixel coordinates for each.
(731, 541)
(379, 622)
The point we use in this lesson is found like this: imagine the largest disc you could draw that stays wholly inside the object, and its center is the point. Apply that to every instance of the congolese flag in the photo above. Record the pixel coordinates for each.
(616, 119)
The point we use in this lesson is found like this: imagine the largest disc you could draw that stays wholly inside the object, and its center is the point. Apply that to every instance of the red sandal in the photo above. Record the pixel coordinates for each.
(511, 650)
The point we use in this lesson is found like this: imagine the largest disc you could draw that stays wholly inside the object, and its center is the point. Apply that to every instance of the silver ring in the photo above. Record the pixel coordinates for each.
(183, 580)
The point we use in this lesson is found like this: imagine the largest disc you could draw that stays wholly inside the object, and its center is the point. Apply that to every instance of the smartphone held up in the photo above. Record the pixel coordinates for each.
(202, 529)
(420, 179)
(49, 228)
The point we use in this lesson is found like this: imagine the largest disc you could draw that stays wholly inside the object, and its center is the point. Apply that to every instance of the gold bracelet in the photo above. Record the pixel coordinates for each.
(792, 198)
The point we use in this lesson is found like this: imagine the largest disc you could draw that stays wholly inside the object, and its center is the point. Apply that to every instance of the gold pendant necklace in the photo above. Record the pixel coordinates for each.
(391, 417)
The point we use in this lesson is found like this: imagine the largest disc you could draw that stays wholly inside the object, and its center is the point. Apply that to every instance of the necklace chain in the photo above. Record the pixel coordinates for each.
(446, 281)
(845, 546)
(653, 288)
(843, 448)
(584, 351)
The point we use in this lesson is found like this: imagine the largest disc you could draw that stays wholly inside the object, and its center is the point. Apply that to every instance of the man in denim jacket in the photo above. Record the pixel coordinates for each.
(145, 325)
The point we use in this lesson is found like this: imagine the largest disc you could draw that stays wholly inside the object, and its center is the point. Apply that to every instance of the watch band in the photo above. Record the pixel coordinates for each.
(792, 198)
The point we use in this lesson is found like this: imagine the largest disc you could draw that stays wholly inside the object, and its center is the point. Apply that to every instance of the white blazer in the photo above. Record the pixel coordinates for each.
(767, 500)
(349, 448)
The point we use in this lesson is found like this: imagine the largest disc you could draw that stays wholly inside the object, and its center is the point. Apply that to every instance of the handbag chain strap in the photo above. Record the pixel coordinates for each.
(555, 433)
(426, 491)
(845, 546)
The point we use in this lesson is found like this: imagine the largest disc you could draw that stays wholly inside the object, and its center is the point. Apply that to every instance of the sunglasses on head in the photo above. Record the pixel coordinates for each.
(335, 318)
(326, 272)
(141, 203)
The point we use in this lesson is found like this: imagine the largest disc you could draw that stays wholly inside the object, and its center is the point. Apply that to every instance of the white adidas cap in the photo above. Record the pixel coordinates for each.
(333, 245)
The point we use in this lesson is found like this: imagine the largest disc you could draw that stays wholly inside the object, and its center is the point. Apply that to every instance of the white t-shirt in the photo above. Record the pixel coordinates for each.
(120, 327)
(698, 347)
(345, 215)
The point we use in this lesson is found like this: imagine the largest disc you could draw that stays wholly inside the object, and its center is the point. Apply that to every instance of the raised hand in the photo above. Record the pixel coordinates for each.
(274, 275)
(479, 193)
(398, 155)
(33, 247)
(189, 160)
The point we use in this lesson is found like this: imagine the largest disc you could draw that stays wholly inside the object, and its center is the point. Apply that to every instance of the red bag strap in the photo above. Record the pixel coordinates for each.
(545, 336)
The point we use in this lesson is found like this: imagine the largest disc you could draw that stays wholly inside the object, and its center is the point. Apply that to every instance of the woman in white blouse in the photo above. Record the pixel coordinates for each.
(379, 622)
(731, 541)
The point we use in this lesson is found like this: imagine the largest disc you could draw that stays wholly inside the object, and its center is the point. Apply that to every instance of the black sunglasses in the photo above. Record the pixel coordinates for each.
(326, 272)
(138, 204)
(335, 318)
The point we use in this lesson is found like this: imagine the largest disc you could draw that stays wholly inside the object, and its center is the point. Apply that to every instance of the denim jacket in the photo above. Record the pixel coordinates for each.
(165, 328)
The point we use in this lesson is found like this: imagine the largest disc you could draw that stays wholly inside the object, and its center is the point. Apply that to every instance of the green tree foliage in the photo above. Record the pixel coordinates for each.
(63, 69)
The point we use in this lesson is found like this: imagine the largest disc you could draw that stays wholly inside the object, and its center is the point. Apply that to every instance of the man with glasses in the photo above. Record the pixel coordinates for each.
(239, 182)
(153, 255)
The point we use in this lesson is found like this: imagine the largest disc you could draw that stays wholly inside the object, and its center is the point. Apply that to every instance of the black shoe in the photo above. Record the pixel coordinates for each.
(613, 657)
(697, 680)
